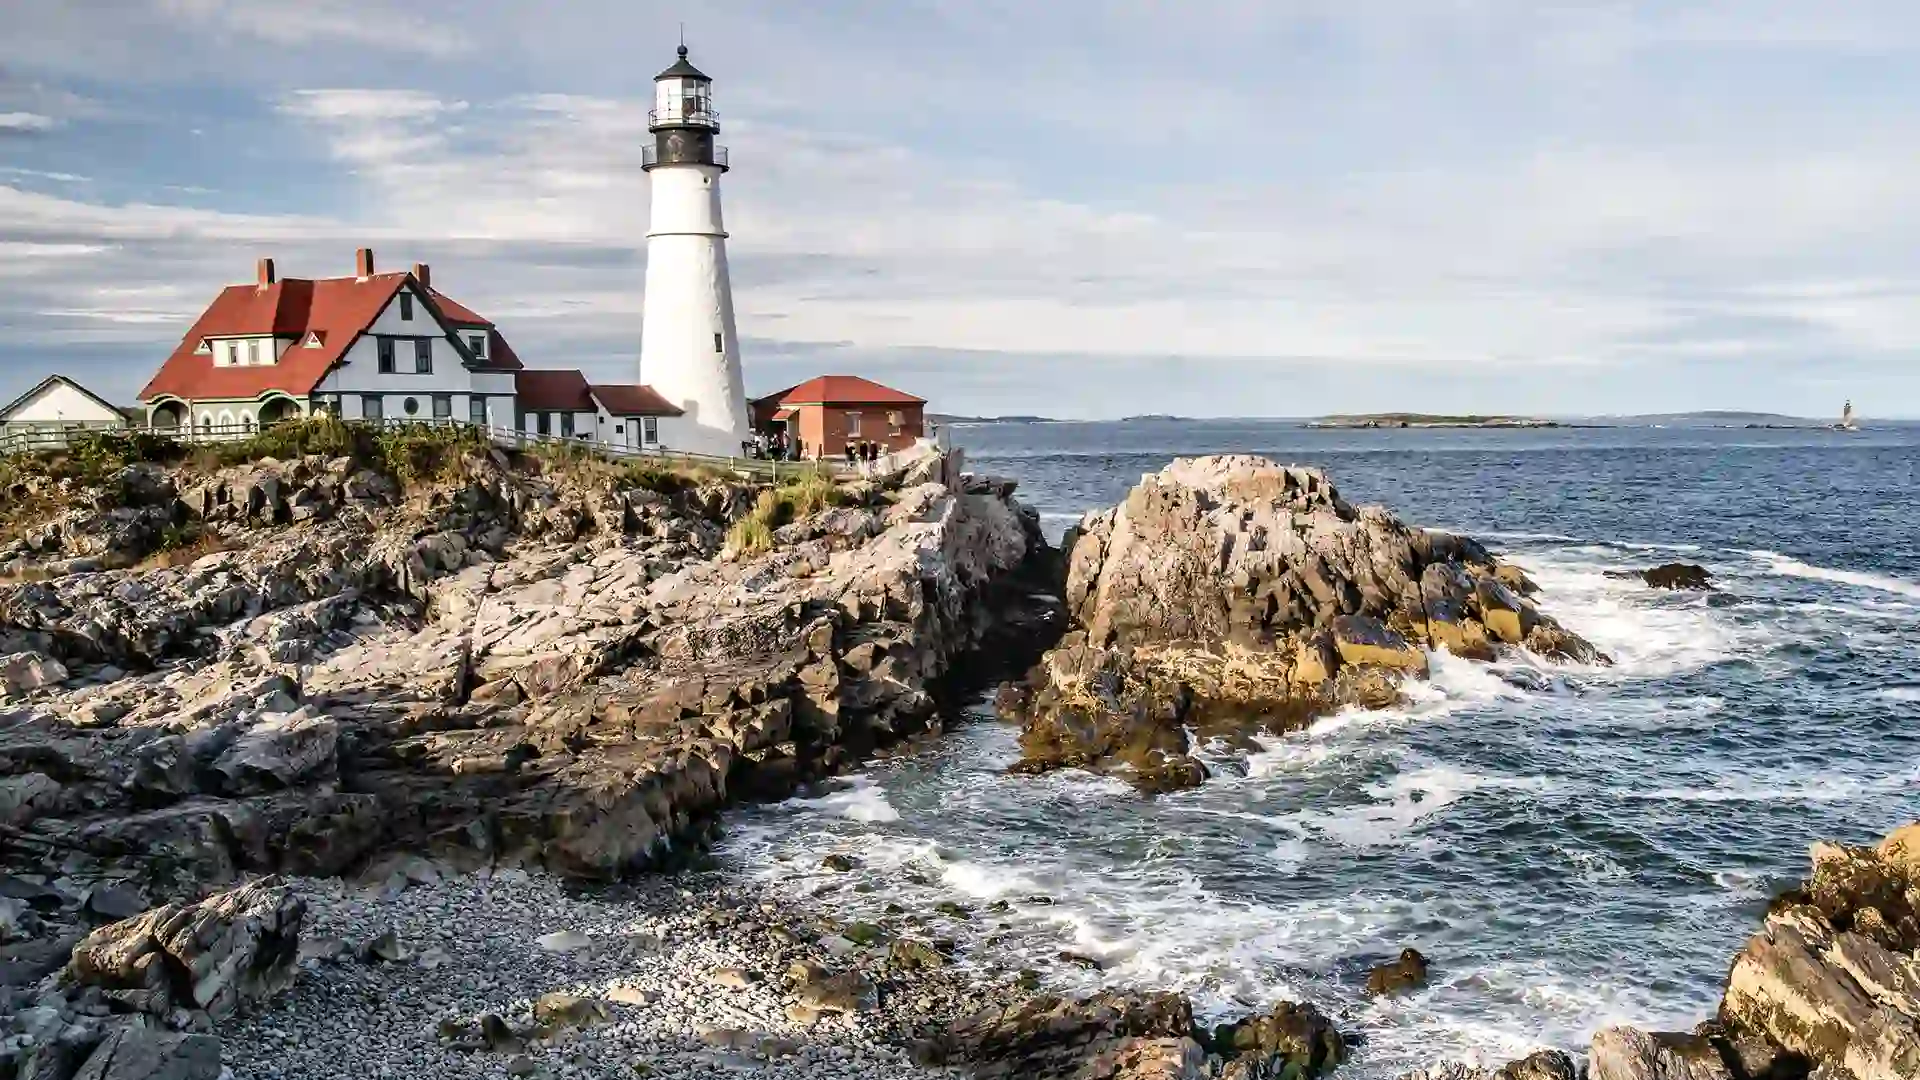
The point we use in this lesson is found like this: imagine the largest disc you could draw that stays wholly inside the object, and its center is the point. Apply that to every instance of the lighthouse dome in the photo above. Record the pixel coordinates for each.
(682, 69)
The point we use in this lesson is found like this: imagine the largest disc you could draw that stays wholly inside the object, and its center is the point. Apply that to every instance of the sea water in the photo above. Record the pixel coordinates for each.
(1572, 846)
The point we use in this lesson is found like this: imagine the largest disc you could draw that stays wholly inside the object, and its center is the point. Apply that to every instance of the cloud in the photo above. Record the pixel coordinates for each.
(1533, 200)
(25, 123)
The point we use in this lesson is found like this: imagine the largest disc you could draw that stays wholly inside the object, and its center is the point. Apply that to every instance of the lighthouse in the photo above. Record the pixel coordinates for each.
(689, 350)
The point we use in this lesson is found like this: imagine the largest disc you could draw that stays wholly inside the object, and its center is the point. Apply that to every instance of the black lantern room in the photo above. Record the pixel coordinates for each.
(683, 121)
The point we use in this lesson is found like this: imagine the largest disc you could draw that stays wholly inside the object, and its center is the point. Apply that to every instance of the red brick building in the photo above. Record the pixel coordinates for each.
(827, 412)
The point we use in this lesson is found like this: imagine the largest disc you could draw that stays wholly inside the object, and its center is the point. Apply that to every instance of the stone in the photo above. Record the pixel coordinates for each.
(839, 864)
(861, 933)
(139, 1050)
(557, 1010)
(565, 941)
(110, 900)
(1622, 1053)
(915, 955)
(28, 671)
(847, 992)
(732, 978)
(280, 751)
(1691, 576)
(1407, 972)
(230, 952)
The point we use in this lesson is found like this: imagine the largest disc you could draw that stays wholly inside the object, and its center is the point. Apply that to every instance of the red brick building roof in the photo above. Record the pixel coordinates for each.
(633, 400)
(840, 390)
(339, 309)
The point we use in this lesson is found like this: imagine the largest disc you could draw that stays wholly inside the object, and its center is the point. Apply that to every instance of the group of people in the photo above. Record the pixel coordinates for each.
(775, 445)
(862, 451)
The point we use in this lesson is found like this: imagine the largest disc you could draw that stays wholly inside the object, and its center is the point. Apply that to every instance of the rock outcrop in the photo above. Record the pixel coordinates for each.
(1229, 594)
(517, 662)
(118, 1009)
(1117, 1036)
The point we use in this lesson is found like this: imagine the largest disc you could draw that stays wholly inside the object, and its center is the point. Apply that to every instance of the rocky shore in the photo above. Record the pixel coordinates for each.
(387, 757)
(1232, 595)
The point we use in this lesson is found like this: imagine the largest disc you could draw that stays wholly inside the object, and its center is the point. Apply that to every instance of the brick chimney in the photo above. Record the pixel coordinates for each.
(423, 274)
(363, 263)
(267, 276)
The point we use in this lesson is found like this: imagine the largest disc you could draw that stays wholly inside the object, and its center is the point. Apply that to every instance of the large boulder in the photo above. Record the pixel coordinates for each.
(1117, 1036)
(1624, 1053)
(1832, 980)
(225, 954)
(1232, 593)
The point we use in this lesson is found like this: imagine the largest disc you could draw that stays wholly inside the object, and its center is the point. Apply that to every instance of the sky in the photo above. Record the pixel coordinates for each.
(1075, 209)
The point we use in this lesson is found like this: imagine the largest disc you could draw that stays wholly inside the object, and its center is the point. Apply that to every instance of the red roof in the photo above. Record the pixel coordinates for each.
(455, 312)
(341, 309)
(633, 400)
(553, 391)
(842, 390)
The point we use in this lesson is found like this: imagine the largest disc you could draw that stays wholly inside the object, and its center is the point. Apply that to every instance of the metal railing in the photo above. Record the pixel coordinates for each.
(43, 441)
(650, 157)
(691, 111)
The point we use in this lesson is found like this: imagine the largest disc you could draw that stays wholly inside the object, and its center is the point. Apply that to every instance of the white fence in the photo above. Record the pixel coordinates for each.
(46, 440)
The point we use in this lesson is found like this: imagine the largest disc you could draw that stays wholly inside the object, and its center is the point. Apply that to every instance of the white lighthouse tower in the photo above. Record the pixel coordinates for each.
(689, 351)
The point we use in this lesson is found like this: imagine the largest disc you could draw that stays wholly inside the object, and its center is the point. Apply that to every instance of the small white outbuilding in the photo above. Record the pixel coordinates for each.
(60, 404)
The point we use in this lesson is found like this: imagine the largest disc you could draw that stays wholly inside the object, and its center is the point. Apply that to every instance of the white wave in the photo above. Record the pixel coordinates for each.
(1742, 884)
(861, 800)
(1404, 803)
(1788, 566)
(1644, 633)
(1900, 693)
(1794, 786)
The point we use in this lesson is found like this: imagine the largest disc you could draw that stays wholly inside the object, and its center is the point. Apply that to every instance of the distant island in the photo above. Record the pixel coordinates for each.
(1430, 420)
(1163, 417)
(948, 418)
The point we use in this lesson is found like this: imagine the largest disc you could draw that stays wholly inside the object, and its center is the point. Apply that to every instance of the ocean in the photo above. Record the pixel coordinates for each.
(1571, 846)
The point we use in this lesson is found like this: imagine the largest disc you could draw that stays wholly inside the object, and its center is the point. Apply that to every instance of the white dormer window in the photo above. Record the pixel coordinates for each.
(233, 353)
(478, 343)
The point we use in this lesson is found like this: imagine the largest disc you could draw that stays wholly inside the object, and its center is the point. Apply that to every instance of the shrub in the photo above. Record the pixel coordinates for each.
(812, 493)
(750, 535)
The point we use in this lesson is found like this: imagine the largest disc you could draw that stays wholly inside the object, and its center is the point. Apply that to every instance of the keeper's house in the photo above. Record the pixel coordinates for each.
(378, 347)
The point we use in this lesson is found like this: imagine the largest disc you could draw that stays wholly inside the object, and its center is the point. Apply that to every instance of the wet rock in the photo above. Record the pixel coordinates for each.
(839, 864)
(1691, 576)
(1407, 972)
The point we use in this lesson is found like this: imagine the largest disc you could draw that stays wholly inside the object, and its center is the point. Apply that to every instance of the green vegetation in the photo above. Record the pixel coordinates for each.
(803, 496)
(410, 453)
(580, 461)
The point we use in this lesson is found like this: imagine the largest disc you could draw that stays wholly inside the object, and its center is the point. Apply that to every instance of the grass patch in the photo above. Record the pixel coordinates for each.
(750, 536)
(774, 507)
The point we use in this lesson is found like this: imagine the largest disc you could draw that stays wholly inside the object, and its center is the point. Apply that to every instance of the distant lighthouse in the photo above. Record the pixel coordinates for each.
(689, 350)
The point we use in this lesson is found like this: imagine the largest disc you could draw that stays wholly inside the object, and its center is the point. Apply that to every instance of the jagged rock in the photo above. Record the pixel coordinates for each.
(280, 751)
(25, 671)
(140, 1050)
(1230, 593)
(1125, 1037)
(1622, 1053)
(847, 992)
(512, 665)
(1290, 1041)
(227, 953)
(1671, 576)
(1408, 972)
(1539, 1065)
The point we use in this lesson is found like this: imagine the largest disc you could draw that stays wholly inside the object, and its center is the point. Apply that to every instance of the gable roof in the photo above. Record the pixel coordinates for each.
(841, 390)
(49, 381)
(340, 309)
(553, 391)
(622, 399)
